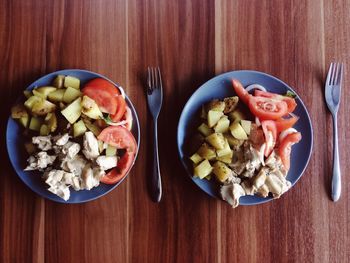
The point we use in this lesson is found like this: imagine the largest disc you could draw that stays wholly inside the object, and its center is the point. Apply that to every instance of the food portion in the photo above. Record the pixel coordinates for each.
(244, 142)
(78, 138)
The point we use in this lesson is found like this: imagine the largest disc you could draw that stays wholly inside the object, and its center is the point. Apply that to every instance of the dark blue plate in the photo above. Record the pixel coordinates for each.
(221, 87)
(18, 155)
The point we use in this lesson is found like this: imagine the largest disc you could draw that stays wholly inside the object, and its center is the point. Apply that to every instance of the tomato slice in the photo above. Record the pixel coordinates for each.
(286, 123)
(118, 173)
(266, 108)
(103, 93)
(120, 137)
(121, 108)
(240, 91)
(270, 133)
(291, 103)
(286, 147)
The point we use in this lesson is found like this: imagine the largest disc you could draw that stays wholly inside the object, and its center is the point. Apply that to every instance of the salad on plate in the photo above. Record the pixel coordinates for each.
(78, 137)
(244, 142)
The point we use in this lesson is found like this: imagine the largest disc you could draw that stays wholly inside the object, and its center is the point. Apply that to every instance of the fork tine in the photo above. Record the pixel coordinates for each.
(334, 68)
(160, 79)
(328, 80)
(149, 78)
(339, 74)
(336, 74)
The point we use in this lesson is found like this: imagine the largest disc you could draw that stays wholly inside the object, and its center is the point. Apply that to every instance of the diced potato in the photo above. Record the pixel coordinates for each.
(100, 146)
(90, 108)
(204, 129)
(71, 94)
(44, 130)
(62, 105)
(27, 93)
(230, 104)
(221, 171)
(204, 113)
(196, 158)
(79, 129)
(225, 151)
(237, 131)
(208, 177)
(73, 82)
(24, 121)
(246, 125)
(57, 95)
(206, 152)
(73, 111)
(92, 127)
(226, 158)
(111, 150)
(214, 117)
(236, 116)
(232, 141)
(35, 123)
(43, 107)
(30, 148)
(51, 121)
(203, 169)
(216, 105)
(222, 125)
(42, 92)
(58, 81)
(217, 140)
(30, 101)
(18, 111)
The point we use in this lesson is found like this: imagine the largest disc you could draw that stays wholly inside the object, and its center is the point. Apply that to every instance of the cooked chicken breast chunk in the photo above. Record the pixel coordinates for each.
(90, 146)
(43, 142)
(107, 162)
(40, 161)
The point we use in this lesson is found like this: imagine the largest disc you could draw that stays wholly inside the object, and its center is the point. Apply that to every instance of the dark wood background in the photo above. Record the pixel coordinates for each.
(191, 41)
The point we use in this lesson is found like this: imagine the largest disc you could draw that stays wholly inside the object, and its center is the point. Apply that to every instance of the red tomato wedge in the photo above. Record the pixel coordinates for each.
(121, 108)
(240, 91)
(266, 108)
(286, 123)
(103, 93)
(118, 173)
(291, 103)
(120, 137)
(270, 133)
(286, 147)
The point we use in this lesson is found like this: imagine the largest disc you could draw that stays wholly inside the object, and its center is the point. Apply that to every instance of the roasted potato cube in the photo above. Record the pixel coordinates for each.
(71, 94)
(246, 125)
(58, 81)
(226, 158)
(51, 121)
(236, 116)
(73, 111)
(222, 125)
(43, 107)
(44, 130)
(232, 141)
(230, 104)
(35, 123)
(90, 108)
(79, 128)
(237, 131)
(214, 117)
(56, 96)
(42, 92)
(216, 105)
(18, 111)
(30, 101)
(73, 82)
(224, 151)
(196, 158)
(92, 127)
(24, 121)
(206, 152)
(203, 169)
(217, 140)
(27, 93)
(221, 171)
(111, 150)
(204, 129)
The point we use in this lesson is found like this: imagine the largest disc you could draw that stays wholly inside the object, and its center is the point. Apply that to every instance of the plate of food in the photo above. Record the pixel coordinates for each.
(245, 137)
(73, 136)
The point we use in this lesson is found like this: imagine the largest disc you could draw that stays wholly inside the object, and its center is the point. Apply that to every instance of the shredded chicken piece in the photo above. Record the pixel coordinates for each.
(107, 162)
(61, 140)
(43, 142)
(90, 143)
(40, 161)
(75, 165)
(70, 149)
(231, 193)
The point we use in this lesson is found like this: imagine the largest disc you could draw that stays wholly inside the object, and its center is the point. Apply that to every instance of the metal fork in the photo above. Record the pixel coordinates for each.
(154, 99)
(332, 96)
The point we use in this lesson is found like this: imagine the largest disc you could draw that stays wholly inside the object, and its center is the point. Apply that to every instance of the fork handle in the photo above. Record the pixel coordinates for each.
(156, 183)
(336, 180)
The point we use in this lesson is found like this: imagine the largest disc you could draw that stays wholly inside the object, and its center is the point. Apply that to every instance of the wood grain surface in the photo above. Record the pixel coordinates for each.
(191, 41)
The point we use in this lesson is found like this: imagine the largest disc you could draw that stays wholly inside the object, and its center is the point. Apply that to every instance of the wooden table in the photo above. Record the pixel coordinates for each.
(191, 41)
